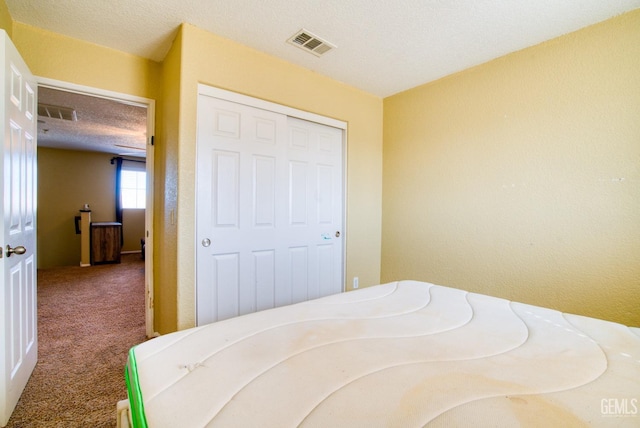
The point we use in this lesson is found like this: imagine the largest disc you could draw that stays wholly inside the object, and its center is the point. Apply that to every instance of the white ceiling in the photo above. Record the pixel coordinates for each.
(383, 46)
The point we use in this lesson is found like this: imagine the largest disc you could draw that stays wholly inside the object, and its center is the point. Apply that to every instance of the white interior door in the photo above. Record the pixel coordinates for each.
(18, 247)
(269, 210)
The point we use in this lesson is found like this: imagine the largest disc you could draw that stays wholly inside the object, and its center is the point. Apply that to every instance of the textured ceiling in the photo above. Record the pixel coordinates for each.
(101, 124)
(383, 46)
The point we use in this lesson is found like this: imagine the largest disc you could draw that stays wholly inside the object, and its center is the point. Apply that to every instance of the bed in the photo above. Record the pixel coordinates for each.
(405, 354)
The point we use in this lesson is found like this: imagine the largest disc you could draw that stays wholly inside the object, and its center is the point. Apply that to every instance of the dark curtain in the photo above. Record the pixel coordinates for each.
(119, 196)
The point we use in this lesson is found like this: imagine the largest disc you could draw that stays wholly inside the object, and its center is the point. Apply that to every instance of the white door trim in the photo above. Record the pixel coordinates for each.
(268, 105)
(150, 105)
(300, 114)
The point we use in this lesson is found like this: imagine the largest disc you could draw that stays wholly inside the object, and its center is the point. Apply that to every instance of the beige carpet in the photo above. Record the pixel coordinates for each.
(88, 318)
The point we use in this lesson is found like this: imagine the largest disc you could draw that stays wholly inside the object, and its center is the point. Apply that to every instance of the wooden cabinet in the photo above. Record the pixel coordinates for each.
(105, 242)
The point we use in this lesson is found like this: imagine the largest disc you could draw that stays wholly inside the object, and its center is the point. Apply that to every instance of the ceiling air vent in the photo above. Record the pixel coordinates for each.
(57, 112)
(310, 42)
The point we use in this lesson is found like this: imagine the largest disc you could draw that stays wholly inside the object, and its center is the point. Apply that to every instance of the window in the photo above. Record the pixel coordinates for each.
(133, 188)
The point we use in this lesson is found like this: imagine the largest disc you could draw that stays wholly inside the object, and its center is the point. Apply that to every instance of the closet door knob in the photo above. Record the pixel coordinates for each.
(206, 242)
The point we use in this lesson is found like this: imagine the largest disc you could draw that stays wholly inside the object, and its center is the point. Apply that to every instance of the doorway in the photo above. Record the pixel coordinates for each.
(113, 147)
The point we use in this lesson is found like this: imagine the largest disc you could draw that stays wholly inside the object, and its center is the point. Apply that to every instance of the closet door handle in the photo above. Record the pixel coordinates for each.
(206, 242)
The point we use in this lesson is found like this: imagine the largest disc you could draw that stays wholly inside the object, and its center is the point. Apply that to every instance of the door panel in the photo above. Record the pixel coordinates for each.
(298, 182)
(315, 153)
(269, 204)
(226, 197)
(298, 271)
(264, 278)
(264, 182)
(226, 271)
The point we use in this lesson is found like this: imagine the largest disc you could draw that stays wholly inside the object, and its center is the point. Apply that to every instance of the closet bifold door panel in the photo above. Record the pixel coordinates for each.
(269, 209)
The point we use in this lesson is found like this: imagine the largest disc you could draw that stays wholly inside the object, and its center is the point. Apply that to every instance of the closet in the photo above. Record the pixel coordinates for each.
(269, 207)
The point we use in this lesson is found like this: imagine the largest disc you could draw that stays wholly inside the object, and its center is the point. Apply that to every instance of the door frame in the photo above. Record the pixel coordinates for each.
(250, 101)
(150, 105)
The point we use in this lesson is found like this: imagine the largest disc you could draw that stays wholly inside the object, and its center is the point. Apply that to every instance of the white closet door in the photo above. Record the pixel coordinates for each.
(314, 227)
(269, 210)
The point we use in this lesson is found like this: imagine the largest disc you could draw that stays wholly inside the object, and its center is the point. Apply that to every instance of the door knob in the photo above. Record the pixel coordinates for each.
(17, 250)
(206, 242)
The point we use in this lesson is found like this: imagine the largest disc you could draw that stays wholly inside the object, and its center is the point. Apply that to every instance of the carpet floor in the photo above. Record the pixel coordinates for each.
(88, 318)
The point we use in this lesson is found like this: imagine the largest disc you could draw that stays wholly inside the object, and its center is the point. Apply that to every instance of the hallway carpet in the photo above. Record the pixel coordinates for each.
(88, 318)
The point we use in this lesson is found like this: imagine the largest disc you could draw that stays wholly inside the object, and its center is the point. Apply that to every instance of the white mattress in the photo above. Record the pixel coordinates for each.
(401, 354)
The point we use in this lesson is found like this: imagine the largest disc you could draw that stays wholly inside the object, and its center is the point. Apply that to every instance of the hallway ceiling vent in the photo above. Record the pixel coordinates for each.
(57, 112)
(310, 42)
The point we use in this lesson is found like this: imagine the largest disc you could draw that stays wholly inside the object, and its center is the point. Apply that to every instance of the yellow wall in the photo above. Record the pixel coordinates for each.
(59, 57)
(519, 178)
(6, 22)
(212, 60)
(68, 179)
(166, 195)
